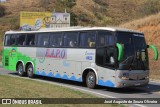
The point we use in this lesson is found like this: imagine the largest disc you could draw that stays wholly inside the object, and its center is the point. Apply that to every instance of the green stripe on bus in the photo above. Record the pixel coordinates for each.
(155, 51)
(12, 56)
(120, 51)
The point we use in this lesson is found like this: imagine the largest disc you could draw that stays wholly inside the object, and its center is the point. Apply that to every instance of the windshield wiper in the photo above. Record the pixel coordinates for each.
(129, 61)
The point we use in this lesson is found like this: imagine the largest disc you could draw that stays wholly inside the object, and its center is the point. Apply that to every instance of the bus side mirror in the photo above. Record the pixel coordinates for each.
(120, 51)
(155, 51)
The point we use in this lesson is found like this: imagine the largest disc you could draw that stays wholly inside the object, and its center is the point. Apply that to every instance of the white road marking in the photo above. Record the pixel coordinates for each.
(155, 81)
(140, 105)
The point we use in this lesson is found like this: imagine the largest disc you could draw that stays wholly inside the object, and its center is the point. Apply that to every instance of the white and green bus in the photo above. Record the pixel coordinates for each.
(105, 56)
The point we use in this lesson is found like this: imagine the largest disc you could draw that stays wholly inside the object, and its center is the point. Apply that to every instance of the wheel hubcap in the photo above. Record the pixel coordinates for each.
(90, 79)
(30, 70)
(20, 70)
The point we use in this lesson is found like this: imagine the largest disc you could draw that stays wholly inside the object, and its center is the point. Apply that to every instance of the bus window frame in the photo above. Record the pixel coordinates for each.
(15, 34)
(5, 40)
(36, 38)
(114, 45)
(27, 40)
(113, 34)
(63, 34)
(86, 31)
(49, 46)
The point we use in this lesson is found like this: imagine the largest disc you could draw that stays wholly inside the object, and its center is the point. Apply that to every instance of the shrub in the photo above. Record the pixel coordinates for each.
(67, 3)
(101, 2)
(44, 3)
(2, 10)
(150, 7)
(73, 19)
(82, 17)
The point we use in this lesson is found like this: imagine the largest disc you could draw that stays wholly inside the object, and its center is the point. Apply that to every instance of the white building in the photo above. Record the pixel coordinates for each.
(58, 20)
(2, 1)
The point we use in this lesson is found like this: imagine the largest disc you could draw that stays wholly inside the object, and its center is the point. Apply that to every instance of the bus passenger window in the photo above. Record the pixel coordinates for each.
(43, 39)
(87, 39)
(105, 38)
(13, 40)
(71, 39)
(7, 40)
(21, 40)
(71, 44)
(31, 40)
(55, 39)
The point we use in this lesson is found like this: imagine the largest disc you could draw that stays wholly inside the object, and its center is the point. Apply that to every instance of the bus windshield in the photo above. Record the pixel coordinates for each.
(135, 51)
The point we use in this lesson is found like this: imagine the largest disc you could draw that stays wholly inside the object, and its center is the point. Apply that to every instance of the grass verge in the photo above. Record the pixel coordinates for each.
(12, 87)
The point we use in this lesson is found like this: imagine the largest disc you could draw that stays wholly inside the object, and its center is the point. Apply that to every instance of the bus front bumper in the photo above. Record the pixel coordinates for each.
(130, 83)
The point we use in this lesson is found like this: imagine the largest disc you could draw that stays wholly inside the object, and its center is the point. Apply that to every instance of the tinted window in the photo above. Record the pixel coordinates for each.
(13, 40)
(100, 56)
(105, 38)
(135, 51)
(21, 39)
(43, 39)
(106, 56)
(71, 39)
(31, 40)
(7, 40)
(56, 39)
(87, 39)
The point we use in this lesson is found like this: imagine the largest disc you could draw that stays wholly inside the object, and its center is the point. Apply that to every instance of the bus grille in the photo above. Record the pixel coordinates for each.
(6, 61)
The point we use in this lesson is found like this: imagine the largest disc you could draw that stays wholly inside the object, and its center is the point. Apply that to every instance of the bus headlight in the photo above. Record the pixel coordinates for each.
(124, 76)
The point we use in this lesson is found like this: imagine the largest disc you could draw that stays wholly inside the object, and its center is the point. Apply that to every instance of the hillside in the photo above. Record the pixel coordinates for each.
(83, 12)
(151, 28)
(107, 12)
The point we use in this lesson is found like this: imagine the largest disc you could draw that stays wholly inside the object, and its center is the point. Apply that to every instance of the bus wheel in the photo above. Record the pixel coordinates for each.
(20, 69)
(30, 71)
(91, 80)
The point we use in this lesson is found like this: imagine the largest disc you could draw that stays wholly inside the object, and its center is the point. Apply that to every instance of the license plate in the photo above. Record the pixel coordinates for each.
(137, 84)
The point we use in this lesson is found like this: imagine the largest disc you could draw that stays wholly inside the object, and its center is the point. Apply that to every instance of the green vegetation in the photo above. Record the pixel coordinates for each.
(150, 7)
(17, 88)
(12, 87)
(2, 11)
(67, 3)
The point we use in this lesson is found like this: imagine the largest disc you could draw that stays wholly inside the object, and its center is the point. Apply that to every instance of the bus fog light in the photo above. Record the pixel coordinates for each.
(124, 78)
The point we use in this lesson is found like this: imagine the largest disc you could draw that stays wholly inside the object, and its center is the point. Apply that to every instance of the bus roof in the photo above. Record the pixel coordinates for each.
(78, 28)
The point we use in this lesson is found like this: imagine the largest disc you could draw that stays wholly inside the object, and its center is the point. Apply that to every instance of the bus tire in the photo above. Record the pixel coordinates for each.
(20, 69)
(91, 80)
(30, 71)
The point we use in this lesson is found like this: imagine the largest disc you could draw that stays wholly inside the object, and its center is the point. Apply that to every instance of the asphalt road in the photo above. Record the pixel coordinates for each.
(152, 90)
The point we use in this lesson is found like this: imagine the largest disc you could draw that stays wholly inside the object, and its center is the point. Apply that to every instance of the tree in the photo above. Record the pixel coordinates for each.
(2, 10)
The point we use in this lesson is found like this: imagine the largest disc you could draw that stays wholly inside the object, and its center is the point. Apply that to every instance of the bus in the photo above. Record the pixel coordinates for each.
(105, 56)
